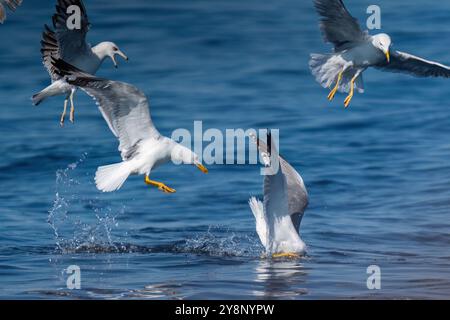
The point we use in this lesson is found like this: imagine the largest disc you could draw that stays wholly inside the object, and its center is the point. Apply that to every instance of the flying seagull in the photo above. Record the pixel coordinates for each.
(126, 110)
(71, 46)
(11, 4)
(279, 216)
(355, 50)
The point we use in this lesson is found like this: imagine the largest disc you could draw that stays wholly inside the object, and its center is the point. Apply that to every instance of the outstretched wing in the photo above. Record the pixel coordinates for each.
(71, 40)
(337, 25)
(124, 107)
(11, 4)
(402, 62)
(49, 51)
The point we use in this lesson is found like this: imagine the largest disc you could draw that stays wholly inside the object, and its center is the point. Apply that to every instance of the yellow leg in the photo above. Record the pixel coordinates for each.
(72, 108)
(336, 87)
(289, 255)
(63, 115)
(352, 91)
(161, 186)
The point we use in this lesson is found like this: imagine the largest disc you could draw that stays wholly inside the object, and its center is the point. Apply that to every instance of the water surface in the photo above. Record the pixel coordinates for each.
(377, 173)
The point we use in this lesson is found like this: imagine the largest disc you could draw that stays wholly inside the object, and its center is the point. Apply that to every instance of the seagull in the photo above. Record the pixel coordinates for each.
(355, 50)
(279, 216)
(11, 4)
(71, 46)
(126, 111)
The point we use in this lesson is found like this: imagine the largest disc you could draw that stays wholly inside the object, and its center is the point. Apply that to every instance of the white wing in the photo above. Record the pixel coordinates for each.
(297, 193)
(337, 25)
(281, 232)
(124, 107)
(402, 62)
(72, 43)
(257, 208)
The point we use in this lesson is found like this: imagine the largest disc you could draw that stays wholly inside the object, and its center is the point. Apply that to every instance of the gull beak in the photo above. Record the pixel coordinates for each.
(123, 55)
(120, 53)
(388, 56)
(202, 168)
(113, 58)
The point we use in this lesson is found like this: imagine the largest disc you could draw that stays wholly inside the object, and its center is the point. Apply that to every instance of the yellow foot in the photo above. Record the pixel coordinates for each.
(336, 87)
(289, 255)
(332, 94)
(161, 186)
(347, 100)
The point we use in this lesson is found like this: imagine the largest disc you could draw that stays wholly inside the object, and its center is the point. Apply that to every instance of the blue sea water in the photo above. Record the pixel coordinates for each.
(378, 173)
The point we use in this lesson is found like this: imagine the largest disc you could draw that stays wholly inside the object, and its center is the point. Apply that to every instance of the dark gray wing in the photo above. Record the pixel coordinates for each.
(124, 107)
(297, 193)
(337, 25)
(402, 62)
(72, 43)
(50, 51)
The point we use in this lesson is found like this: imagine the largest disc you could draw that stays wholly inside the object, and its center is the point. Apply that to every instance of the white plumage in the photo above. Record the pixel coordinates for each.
(355, 50)
(126, 111)
(279, 216)
(71, 46)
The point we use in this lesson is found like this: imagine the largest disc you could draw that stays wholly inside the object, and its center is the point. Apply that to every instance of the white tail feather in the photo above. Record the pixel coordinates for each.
(326, 68)
(323, 69)
(261, 223)
(111, 178)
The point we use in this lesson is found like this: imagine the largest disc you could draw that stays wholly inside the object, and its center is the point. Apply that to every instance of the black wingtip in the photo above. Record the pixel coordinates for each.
(62, 68)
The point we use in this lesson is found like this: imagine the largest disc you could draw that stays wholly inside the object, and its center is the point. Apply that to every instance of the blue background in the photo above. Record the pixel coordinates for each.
(378, 173)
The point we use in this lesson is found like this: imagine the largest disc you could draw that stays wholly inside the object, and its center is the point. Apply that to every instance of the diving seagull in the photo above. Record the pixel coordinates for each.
(355, 50)
(279, 215)
(71, 46)
(11, 4)
(126, 111)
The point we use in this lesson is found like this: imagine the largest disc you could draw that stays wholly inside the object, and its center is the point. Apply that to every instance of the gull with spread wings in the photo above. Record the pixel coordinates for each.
(355, 50)
(71, 46)
(279, 216)
(11, 5)
(126, 110)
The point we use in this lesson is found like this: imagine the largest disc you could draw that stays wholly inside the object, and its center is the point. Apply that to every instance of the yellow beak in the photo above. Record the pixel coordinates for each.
(388, 56)
(202, 168)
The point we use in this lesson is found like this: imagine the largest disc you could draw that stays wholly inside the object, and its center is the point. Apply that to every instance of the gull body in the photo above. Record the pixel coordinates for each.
(126, 111)
(11, 5)
(355, 51)
(278, 216)
(71, 46)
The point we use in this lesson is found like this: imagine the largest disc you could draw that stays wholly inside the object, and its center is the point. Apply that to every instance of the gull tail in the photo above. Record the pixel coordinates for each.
(257, 208)
(111, 178)
(326, 68)
(39, 97)
(57, 88)
(323, 69)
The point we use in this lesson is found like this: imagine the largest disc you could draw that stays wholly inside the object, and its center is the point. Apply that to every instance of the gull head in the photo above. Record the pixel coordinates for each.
(183, 155)
(383, 42)
(110, 49)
